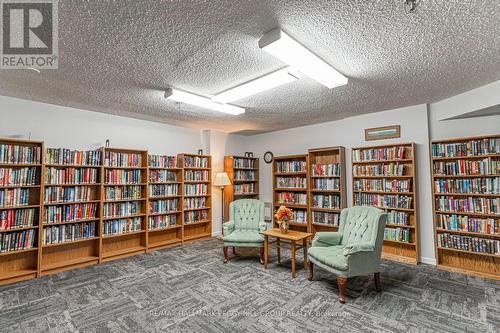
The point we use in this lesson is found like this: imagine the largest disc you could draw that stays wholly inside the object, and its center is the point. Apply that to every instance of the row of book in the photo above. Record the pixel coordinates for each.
(195, 162)
(468, 224)
(325, 218)
(466, 167)
(291, 182)
(195, 216)
(72, 157)
(16, 218)
(117, 176)
(299, 216)
(162, 176)
(398, 218)
(469, 185)
(56, 194)
(468, 205)
(380, 154)
(163, 206)
(69, 213)
(244, 175)
(195, 203)
(121, 226)
(11, 154)
(54, 176)
(291, 198)
(121, 209)
(159, 222)
(18, 177)
(326, 184)
(290, 166)
(467, 148)
(382, 185)
(326, 201)
(243, 188)
(244, 163)
(19, 240)
(195, 189)
(163, 190)
(467, 243)
(196, 175)
(161, 161)
(392, 169)
(68, 233)
(123, 192)
(383, 201)
(14, 197)
(325, 170)
(397, 234)
(127, 160)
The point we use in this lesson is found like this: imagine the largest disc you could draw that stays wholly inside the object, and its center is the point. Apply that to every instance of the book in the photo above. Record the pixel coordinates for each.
(72, 157)
(127, 160)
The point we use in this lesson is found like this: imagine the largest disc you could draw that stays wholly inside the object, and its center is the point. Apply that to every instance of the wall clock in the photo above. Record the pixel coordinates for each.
(268, 157)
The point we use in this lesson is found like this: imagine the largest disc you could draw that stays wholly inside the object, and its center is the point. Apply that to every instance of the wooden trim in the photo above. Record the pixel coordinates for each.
(388, 136)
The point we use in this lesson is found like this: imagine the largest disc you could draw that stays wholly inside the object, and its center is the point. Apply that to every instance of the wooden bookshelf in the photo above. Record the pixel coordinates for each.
(377, 174)
(124, 187)
(326, 181)
(165, 202)
(243, 172)
(22, 263)
(292, 182)
(460, 173)
(197, 218)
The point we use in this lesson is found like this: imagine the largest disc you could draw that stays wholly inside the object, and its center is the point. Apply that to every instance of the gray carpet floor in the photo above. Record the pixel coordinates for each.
(188, 288)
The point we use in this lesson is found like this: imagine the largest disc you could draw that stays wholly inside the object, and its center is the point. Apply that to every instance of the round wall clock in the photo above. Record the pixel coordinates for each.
(268, 157)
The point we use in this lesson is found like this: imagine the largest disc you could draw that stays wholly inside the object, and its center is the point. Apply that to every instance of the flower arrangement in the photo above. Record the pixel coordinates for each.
(283, 214)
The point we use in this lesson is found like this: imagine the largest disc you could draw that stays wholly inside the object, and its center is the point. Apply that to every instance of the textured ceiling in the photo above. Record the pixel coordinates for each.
(118, 57)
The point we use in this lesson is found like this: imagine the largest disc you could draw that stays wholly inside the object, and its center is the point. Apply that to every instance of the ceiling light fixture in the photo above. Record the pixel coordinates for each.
(256, 86)
(203, 102)
(277, 43)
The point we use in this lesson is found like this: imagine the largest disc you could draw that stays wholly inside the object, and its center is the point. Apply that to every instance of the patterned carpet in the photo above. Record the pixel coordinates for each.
(188, 288)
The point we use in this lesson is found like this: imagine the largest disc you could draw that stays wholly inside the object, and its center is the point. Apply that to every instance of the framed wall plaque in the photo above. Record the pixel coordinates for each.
(381, 133)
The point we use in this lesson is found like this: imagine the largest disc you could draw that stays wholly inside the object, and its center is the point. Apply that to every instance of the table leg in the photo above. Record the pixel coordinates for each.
(293, 259)
(304, 248)
(279, 250)
(266, 241)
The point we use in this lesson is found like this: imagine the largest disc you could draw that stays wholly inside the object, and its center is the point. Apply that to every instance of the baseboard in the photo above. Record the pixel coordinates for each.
(216, 233)
(428, 261)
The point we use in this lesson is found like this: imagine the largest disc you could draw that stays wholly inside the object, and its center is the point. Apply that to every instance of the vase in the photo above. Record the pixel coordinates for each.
(284, 227)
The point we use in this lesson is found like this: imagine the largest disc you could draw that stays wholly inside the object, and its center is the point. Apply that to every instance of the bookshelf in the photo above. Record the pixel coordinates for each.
(196, 196)
(124, 218)
(165, 202)
(243, 172)
(466, 204)
(71, 209)
(327, 187)
(291, 188)
(384, 177)
(21, 191)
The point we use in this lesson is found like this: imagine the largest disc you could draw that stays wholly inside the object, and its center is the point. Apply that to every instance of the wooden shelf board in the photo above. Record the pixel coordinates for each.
(17, 273)
(245, 181)
(245, 194)
(246, 169)
(164, 243)
(462, 213)
(196, 222)
(403, 259)
(324, 191)
(125, 168)
(124, 200)
(403, 161)
(19, 207)
(191, 209)
(18, 186)
(325, 176)
(164, 197)
(466, 157)
(71, 242)
(123, 234)
(165, 213)
(400, 226)
(19, 229)
(330, 210)
(33, 249)
(298, 224)
(291, 189)
(20, 165)
(70, 203)
(69, 222)
(167, 228)
(291, 173)
(459, 232)
(398, 242)
(197, 195)
(122, 217)
(71, 166)
(195, 168)
(196, 181)
(164, 168)
(164, 183)
(468, 252)
(382, 177)
(468, 272)
(465, 176)
(277, 204)
(70, 262)
(384, 192)
(325, 225)
(409, 210)
(468, 195)
(121, 252)
(193, 237)
(125, 184)
(72, 185)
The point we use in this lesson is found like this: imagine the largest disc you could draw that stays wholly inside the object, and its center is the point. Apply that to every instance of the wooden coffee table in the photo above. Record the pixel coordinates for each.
(294, 237)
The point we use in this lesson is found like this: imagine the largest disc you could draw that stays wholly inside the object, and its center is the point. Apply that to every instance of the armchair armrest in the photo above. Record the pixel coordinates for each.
(227, 228)
(359, 247)
(327, 239)
(262, 226)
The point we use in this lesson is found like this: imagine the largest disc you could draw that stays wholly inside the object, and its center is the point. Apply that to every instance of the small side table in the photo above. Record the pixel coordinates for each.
(294, 237)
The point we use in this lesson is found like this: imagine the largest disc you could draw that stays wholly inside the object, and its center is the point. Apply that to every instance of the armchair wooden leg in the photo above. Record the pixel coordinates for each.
(310, 273)
(377, 282)
(261, 253)
(226, 258)
(341, 282)
(234, 250)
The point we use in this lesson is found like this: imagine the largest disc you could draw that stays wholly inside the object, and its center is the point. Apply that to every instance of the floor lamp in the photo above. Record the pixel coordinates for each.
(221, 180)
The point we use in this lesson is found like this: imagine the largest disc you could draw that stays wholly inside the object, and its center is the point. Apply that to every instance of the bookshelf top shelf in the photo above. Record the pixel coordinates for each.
(465, 139)
(405, 160)
(405, 144)
(290, 157)
(20, 142)
(326, 149)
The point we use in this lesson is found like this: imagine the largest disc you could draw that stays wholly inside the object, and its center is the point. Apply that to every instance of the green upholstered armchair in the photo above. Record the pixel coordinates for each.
(246, 222)
(355, 249)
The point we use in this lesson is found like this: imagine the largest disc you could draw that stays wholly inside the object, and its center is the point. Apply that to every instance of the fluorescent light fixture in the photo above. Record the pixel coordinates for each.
(256, 86)
(202, 102)
(277, 43)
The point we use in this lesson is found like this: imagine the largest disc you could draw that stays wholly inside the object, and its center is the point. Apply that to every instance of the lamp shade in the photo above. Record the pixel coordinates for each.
(221, 179)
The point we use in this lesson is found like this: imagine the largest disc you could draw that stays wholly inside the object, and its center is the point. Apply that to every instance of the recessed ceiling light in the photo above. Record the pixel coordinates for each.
(203, 102)
(277, 43)
(256, 86)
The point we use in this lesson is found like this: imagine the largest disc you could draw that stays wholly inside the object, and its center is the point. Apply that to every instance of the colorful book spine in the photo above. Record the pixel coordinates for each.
(18, 177)
(162, 176)
(244, 175)
(164, 190)
(122, 192)
(467, 243)
(69, 213)
(382, 185)
(72, 157)
(486, 166)
(163, 206)
(14, 197)
(468, 185)
(54, 194)
(17, 154)
(18, 240)
(392, 169)
(398, 218)
(76, 176)
(68, 233)
(123, 160)
(326, 218)
(290, 166)
(326, 201)
(121, 226)
(195, 203)
(291, 198)
(243, 163)
(121, 209)
(117, 176)
(195, 189)
(468, 205)
(195, 162)
(380, 154)
(161, 222)
(195, 216)
(243, 188)
(196, 175)
(326, 184)
(325, 170)
(466, 148)
(16, 218)
(161, 161)
(397, 234)
(383, 201)
(488, 226)
(291, 182)
(299, 216)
